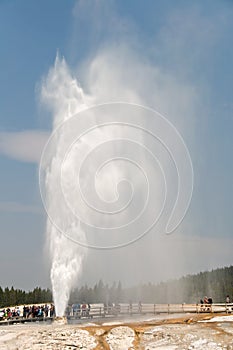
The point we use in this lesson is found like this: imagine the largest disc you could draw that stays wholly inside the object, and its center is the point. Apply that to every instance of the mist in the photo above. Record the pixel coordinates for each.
(120, 68)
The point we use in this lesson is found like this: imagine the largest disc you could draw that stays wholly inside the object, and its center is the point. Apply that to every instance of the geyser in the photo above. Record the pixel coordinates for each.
(65, 98)
(106, 177)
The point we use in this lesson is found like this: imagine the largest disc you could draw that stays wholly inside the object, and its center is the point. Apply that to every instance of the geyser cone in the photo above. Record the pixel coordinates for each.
(60, 320)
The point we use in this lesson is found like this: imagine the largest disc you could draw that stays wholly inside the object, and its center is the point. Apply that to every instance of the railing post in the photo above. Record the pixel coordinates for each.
(154, 309)
(168, 308)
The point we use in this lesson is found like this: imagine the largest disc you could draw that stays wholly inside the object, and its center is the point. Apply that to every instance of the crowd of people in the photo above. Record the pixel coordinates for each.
(78, 310)
(47, 310)
(209, 300)
(39, 311)
(206, 300)
(9, 313)
(206, 303)
(83, 310)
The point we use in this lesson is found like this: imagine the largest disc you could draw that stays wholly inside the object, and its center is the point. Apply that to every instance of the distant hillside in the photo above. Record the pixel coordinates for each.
(189, 289)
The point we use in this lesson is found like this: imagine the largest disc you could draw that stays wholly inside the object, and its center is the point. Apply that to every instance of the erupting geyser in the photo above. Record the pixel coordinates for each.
(64, 97)
(105, 177)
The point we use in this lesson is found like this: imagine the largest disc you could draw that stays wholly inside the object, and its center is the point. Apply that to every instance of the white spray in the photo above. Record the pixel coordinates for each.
(65, 98)
(61, 93)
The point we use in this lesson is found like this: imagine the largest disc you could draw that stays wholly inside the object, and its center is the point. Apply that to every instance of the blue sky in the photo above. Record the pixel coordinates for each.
(189, 43)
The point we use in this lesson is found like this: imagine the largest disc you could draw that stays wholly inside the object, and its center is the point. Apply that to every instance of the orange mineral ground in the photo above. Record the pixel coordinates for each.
(187, 332)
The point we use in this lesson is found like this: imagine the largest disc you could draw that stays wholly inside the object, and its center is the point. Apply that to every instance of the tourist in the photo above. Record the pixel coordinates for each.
(18, 311)
(52, 311)
(46, 310)
(84, 308)
(130, 307)
(88, 309)
(140, 307)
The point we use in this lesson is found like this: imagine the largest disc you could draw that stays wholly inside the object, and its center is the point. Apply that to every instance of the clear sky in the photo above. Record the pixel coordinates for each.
(187, 45)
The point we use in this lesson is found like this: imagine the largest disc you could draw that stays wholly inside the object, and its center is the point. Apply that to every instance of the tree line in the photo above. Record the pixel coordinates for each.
(13, 297)
(216, 284)
(189, 289)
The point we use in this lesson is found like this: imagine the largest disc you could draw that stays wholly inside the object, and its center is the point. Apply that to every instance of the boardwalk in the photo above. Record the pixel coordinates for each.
(97, 312)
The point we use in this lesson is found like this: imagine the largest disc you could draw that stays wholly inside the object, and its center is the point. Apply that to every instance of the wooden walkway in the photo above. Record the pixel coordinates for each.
(130, 310)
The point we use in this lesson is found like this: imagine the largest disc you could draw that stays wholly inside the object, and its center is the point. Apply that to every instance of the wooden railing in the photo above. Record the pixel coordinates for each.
(100, 311)
(134, 309)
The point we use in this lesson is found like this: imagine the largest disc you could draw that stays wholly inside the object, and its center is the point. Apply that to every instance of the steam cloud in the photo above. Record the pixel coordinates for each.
(114, 73)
